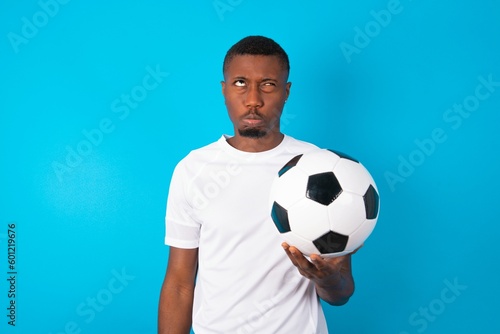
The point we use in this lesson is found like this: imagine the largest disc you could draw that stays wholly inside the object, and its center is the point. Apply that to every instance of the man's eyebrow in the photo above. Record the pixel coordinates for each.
(242, 77)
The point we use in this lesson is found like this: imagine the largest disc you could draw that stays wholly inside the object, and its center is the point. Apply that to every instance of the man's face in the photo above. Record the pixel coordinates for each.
(255, 89)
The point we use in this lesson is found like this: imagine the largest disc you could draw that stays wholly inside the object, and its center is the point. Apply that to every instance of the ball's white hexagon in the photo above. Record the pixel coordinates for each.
(353, 176)
(318, 161)
(346, 213)
(304, 245)
(358, 237)
(308, 219)
(289, 188)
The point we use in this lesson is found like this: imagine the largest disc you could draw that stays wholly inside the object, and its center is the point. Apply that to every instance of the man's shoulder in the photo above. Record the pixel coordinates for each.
(207, 150)
(294, 144)
(200, 155)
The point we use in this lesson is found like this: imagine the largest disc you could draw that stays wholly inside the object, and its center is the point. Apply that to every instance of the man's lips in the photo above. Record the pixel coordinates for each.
(252, 120)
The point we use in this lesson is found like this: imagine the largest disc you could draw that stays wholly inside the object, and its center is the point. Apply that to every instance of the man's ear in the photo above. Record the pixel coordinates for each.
(287, 89)
(223, 84)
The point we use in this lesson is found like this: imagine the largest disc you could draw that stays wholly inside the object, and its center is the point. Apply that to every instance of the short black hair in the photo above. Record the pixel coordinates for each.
(257, 46)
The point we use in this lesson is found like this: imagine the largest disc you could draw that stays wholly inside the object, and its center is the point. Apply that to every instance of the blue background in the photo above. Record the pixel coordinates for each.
(89, 214)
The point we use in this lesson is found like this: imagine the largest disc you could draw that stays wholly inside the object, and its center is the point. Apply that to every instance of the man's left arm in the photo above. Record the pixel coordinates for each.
(332, 276)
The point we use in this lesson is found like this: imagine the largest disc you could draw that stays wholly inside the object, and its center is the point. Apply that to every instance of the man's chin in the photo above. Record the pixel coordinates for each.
(252, 133)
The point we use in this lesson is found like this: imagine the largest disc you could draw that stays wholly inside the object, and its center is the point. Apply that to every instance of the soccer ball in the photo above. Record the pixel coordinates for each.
(324, 202)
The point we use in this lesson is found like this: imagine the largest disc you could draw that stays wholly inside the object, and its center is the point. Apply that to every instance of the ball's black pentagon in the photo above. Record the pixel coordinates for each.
(289, 164)
(280, 218)
(343, 155)
(371, 199)
(323, 188)
(331, 242)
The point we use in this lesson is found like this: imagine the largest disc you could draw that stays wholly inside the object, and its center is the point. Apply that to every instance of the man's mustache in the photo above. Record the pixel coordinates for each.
(253, 114)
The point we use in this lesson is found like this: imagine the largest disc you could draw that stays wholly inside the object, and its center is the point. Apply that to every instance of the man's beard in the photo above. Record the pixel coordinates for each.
(252, 132)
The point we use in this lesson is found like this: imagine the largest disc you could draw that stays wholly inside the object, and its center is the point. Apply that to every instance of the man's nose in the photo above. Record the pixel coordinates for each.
(253, 97)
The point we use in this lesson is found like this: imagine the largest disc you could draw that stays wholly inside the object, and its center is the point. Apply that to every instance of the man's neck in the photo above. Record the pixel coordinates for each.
(248, 144)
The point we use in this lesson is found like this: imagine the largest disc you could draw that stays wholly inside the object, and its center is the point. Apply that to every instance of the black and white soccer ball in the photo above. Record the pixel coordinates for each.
(324, 202)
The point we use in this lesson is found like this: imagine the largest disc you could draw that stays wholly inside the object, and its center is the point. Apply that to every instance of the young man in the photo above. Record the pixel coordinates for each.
(228, 271)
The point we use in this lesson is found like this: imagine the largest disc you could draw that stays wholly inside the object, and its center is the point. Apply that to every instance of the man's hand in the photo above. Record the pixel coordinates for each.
(332, 276)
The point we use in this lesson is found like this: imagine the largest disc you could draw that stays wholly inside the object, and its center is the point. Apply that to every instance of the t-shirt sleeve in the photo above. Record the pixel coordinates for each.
(182, 230)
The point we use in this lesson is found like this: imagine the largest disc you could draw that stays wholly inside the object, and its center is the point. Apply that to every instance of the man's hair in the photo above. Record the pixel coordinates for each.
(257, 46)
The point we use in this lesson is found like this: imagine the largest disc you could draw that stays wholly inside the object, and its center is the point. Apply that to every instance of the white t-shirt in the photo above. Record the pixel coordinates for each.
(219, 202)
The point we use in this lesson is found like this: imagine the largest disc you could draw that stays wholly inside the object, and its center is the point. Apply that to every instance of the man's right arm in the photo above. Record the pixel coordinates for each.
(176, 297)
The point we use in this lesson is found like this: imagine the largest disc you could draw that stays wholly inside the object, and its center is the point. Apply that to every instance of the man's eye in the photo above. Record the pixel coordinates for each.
(239, 83)
(268, 87)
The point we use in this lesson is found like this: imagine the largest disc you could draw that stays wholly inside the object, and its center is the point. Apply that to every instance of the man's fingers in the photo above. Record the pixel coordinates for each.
(318, 261)
(297, 257)
(286, 247)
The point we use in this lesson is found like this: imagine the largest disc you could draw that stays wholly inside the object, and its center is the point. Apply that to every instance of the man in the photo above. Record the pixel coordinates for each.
(228, 271)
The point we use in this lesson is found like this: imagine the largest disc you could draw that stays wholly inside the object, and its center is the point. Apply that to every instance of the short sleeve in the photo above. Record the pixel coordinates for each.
(182, 230)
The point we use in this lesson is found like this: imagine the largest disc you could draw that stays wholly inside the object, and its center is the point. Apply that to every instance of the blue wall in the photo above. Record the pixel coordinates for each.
(99, 101)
